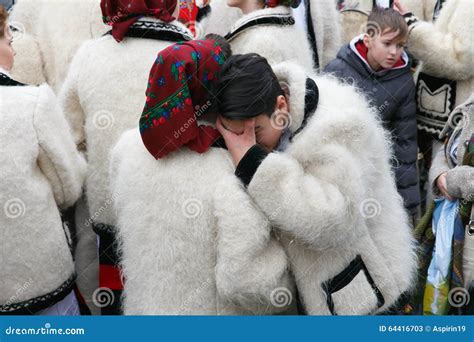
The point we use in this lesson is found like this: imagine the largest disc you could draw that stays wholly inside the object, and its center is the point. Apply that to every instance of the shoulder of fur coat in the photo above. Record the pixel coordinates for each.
(175, 232)
(103, 96)
(332, 192)
(221, 18)
(445, 47)
(77, 20)
(42, 170)
(276, 43)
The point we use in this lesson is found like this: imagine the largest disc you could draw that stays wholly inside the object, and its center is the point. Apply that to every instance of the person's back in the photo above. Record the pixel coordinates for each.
(102, 97)
(376, 63)
(41, 171)
(53, 31)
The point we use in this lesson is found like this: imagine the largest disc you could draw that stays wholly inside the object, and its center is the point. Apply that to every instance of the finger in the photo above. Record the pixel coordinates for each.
(249, 126)
(221, 127)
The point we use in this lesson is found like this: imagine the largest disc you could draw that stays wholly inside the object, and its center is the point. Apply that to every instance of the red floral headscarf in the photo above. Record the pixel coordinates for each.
(178, 93)
(121, 14)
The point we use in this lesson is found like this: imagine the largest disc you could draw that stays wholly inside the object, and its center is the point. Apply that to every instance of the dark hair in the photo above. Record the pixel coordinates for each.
(246, 87)
(382, 19)
(3, 20)
(226, 49)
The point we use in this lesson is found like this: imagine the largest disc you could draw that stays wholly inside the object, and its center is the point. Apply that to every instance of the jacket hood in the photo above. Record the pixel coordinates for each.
(351, 55)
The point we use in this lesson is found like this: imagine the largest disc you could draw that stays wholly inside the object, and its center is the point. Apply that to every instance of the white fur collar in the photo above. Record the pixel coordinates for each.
(295, 78)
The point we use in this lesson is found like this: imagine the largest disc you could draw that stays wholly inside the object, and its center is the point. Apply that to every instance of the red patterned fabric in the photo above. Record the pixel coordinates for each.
(178, 93)
(287, 3)
(121, 14)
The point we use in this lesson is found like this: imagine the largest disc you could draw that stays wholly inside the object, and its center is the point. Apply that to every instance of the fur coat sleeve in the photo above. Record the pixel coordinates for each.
(325, 192)
(446, 47)
(70, 102)
(57, 157)
(251, 268)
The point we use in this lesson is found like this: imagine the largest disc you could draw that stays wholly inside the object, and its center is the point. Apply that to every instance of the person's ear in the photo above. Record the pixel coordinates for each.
(282, 104)
(366, 40)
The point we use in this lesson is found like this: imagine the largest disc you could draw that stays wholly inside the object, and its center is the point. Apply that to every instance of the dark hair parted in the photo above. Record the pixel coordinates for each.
(247, 87)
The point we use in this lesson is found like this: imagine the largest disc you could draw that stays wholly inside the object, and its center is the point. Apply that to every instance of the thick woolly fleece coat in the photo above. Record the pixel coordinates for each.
(279, 43)
(167, 228)
(53, 31)
(446, 49)
(392, 92)
(332, 199)
(40, 170)
(195, 240)
(103, 95)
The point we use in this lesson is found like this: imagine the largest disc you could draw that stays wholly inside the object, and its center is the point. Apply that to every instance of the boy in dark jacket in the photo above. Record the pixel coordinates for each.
(376, 63)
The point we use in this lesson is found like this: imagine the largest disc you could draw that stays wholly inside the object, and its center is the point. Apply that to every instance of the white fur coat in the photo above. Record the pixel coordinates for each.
(446, 49)
(40, 170)
(104, 95)
(195, 241)
(168, 226)
(53, 31)
(331, 197)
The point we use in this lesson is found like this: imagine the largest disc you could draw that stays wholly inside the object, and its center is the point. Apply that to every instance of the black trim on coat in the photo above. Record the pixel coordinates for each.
(9, 82)
(312, 34)
(279, 20)
(250, 162)
(108, 248)
(311, 101)
(156, 31)
(32, 306)
(345, 277)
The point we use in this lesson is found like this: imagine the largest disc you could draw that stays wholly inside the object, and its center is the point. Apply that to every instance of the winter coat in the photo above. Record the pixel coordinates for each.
(446, 49)
(167, 229)
(194, 240)
(103, 96)
(285, 42)
(52, 33)
(220, 18)
(459, 178)
(332, 200)
(392, 92)
(40, 170)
